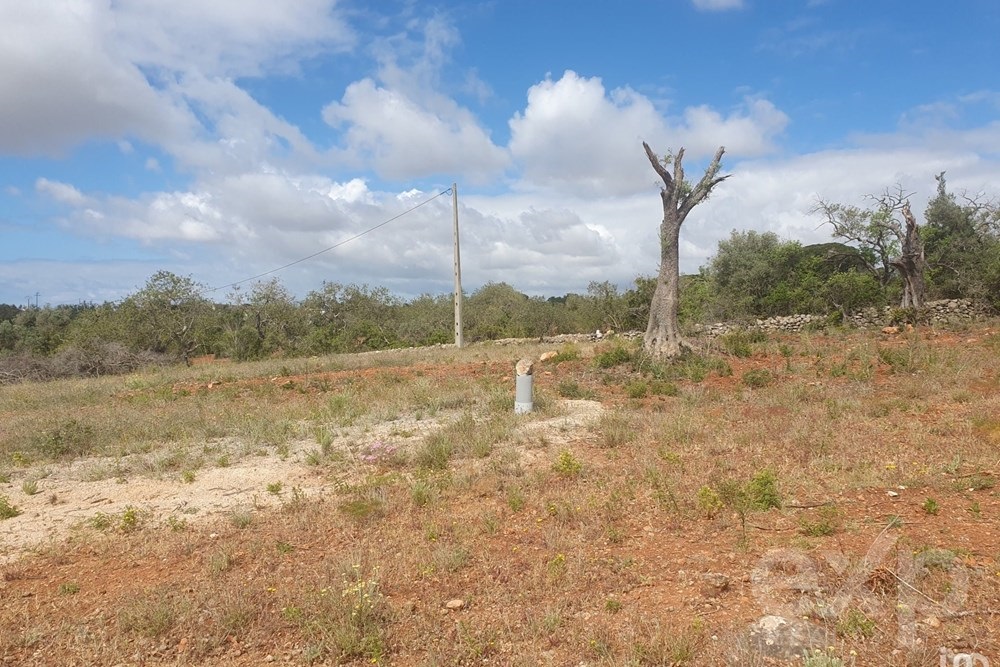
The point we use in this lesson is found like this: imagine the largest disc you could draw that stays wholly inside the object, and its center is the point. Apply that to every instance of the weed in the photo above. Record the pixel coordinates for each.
(637, 389)
(69, 588)
(739, 343)
(491, 523)
(423, 492)
(101, 521)
(663, 388)
(936, 559)
(69, 440)
(177, 525)
(828, 523)
(515, 498)
(894, 521)
(931, 506)
(149, 616)
(616, 429)
(978, 482)
(29, 486)
(367, 504)
(654, 644)
(709, 501)
(220, 562)
(188, 476)
(572, 389)
(568, 352)
(615, 356)
(131, 519)
(818, 658)
(284, 548)
(435, 453)
(240, 518)
(274, 488)
(346, 626)
(612, 605)
(663, 488)
(557, 566)
(855, 623)
(567, 465)
(7, 511)
(380, 452)
(974, 509)
(756, 378)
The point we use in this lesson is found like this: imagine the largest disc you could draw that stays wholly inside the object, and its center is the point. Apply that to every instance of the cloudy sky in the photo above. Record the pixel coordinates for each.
(223, 139)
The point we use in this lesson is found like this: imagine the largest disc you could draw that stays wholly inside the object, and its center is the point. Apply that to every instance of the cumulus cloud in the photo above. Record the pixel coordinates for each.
(403, 139)
(400, 122)
(67, 83)
(574, 135)
(63, 193)
(81, 70)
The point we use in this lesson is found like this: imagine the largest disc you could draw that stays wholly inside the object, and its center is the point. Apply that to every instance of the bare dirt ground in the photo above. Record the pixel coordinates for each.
(511, 560)
(65, 502)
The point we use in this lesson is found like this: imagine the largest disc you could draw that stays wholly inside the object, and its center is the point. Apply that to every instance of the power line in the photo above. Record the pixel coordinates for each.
(334, 246)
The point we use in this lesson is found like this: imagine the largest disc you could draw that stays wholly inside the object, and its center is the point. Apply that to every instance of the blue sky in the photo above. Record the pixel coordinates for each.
(221, 140)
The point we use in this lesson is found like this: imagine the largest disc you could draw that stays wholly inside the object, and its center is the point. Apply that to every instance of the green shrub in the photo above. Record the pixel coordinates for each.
(757, 378)
(738, 343)
(572, 389)
(616, 356)
(7, 511)
(709, 501)
(762, 490)
(567, 465)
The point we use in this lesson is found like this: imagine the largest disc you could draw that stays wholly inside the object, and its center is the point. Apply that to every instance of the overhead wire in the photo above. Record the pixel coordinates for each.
(333, 247)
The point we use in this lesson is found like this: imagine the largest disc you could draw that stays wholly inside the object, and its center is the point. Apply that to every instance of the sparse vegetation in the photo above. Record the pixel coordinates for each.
(7, 511)
(500, 538)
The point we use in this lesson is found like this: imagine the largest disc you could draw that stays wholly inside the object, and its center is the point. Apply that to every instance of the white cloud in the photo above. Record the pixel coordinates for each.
(63, 193)
(575, 136)
(83, 70)
(401, 123)
(717, 5)
(68, 84)
(403, 139)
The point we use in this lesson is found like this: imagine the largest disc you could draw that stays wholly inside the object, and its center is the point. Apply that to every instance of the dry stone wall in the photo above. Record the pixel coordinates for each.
(936, 312)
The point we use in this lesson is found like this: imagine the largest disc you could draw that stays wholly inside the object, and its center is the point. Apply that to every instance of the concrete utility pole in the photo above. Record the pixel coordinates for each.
(458, 269)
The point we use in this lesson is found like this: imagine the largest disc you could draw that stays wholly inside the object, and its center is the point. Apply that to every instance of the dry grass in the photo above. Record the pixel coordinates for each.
(554, 541)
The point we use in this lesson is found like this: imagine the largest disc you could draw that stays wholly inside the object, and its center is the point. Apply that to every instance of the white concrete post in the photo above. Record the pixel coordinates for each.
(522, 386)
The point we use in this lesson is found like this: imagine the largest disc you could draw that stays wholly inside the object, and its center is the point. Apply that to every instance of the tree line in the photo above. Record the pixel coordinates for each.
(751, 275)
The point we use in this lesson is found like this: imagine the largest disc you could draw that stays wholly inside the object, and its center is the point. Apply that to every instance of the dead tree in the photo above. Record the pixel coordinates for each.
(911, 262)
(663, 337)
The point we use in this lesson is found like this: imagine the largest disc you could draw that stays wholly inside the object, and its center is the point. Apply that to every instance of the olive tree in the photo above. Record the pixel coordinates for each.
(663, 337)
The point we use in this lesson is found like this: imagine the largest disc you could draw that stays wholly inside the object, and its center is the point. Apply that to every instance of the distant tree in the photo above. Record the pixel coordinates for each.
(610, 305)
(351, 318)
(887, 243)
(747, 269)
(963, 246)
(663, 337)
(169, 315)
(496, 310)
(265, 321)
(8, 312)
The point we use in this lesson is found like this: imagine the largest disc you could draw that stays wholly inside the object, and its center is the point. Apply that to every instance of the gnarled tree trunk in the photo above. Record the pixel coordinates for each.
(911, 263)
(663, 337)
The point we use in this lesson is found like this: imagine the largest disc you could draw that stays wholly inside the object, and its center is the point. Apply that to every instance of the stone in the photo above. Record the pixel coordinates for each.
(545, 356)
(779, 637)
(455, 604)
(714, 584)
(524, 367)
